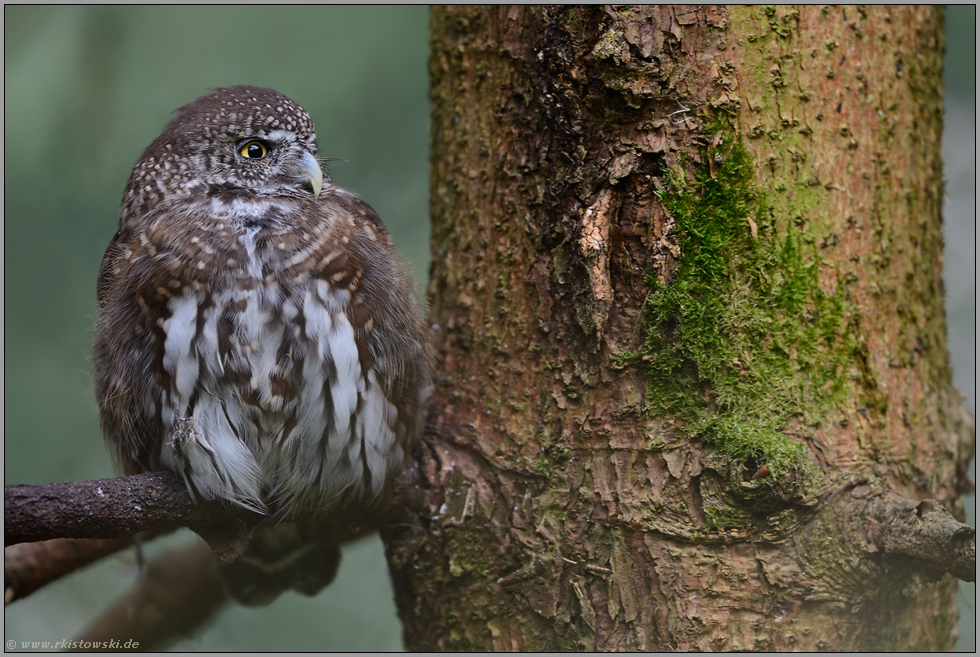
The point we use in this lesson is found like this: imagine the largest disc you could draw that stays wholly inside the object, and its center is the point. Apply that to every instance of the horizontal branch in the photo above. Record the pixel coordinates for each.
(157, 502)
(103, 508)
(926, 532)
(51, 530)
(28, 567)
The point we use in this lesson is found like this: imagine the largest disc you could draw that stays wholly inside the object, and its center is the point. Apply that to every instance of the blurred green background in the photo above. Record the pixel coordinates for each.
(87, 88)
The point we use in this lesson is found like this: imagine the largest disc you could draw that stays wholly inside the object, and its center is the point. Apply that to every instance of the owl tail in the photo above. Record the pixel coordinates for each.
(281, 557)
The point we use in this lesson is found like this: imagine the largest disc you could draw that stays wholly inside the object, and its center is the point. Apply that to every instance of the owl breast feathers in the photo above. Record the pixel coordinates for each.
(257, 334)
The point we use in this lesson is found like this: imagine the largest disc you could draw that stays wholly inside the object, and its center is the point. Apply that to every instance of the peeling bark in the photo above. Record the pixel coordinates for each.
(560, 512)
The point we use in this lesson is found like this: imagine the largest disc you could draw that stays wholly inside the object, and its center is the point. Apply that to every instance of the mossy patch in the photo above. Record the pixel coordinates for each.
(742, 340)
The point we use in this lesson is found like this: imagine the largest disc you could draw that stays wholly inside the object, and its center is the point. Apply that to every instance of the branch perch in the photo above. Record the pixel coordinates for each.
(158, 502)
(77, 523)
(103, 508)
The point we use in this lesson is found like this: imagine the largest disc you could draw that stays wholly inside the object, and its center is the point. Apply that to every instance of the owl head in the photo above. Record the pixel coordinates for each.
(238, 141)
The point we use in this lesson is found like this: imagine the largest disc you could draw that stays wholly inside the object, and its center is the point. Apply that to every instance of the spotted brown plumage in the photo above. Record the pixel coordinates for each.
(257, 334)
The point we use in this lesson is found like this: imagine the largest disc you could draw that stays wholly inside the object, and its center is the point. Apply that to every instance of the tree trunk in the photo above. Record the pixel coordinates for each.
(688, 312)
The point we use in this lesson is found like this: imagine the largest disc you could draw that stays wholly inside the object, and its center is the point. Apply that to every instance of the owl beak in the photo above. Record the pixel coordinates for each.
(309, 169)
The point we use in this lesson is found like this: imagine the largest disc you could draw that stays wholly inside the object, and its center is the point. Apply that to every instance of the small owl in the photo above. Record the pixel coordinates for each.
(257, 334)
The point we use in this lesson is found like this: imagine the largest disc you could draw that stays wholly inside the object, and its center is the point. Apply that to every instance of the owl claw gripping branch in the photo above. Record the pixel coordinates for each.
(257, 334)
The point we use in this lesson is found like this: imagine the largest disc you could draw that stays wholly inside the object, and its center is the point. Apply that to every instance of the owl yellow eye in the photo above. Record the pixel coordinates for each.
(253, 150)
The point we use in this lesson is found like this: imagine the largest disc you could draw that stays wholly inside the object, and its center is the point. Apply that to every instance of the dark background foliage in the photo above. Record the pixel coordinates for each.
(87, 88)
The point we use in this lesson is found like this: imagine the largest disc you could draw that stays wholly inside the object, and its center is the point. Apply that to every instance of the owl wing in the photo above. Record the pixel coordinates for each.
(389, 326)
(126, 343)
(107, 270)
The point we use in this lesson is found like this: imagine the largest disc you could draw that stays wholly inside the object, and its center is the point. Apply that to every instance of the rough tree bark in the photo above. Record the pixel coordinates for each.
(690, 331)
(694, 385)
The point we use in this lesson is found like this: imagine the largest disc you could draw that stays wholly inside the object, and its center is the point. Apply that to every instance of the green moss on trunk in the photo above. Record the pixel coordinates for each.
(743, 340)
